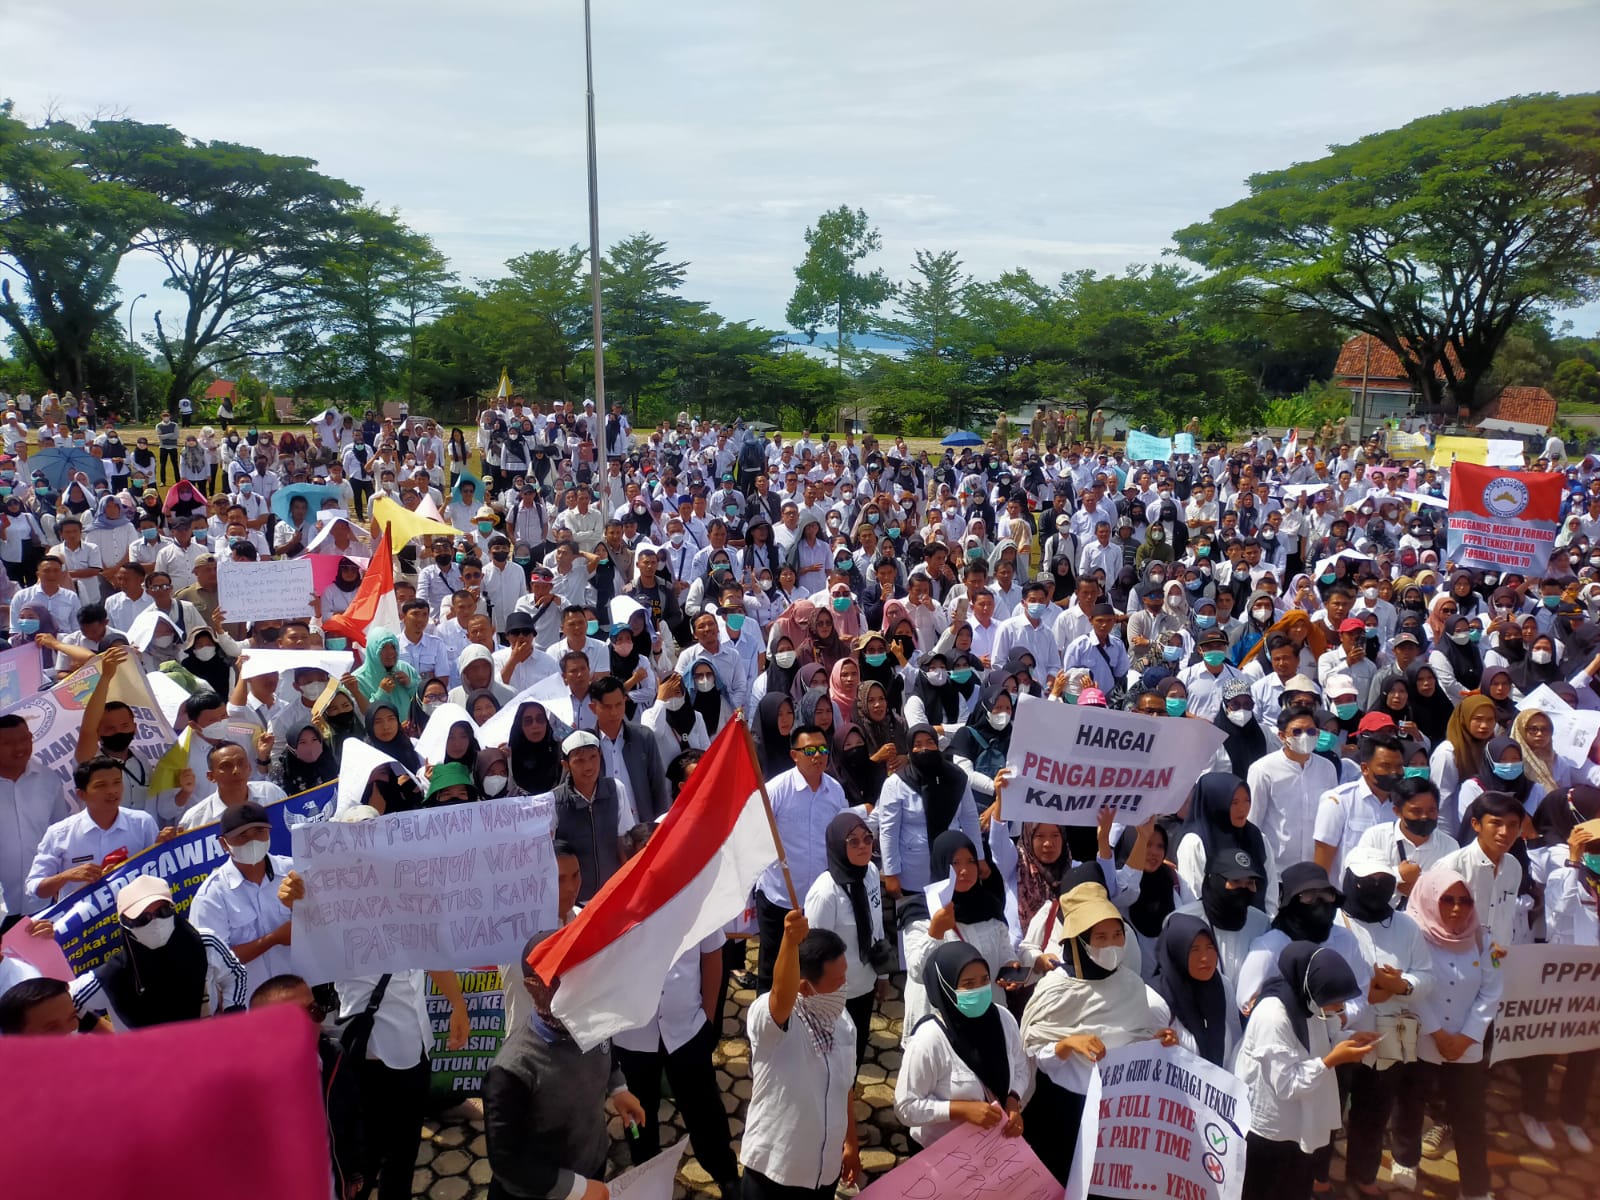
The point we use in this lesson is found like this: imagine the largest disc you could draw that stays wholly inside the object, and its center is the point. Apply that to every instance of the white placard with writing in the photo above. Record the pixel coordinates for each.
(1068, 761)
(1573, 730)
(274, 662)
(265, 591)
(437, 888)
(1550, 1003)
(650, 1180)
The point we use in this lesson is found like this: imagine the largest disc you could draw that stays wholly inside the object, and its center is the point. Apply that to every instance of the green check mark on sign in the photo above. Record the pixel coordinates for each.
(1216, 1138)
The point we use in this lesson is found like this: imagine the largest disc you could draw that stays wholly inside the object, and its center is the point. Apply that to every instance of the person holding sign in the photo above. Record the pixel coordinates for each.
(964, 1061)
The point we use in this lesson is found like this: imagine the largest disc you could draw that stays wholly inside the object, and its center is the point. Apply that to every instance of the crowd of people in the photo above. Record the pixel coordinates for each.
(1326, 918)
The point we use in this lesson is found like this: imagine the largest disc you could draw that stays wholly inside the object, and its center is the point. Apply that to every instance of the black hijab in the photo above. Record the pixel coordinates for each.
(941, 786)
(850, 877)
(942, 703)
(1431, 713)
(1157, 892)
(1209, 821)
(979, 1042)
(1466, 661)
(1518, 787)
(973, 906)
(301, 776)
(1201, 1008)
(1309, 974)
(774, 747)
(156, 987)
(398, 747)
(535, 766)
(965, 740)
(1243, 744)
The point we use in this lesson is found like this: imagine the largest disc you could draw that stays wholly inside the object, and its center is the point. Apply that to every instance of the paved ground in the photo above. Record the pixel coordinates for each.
(452, 1166)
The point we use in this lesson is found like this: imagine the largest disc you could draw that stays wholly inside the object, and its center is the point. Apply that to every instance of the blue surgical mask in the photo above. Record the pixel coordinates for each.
(1507, 770)
(28, 625)
(961, 675)
(974, 1002)
(841, 604)
(893, 531)
(1172, 653)
(334, 643)
(1177, 706)
(592, 628)
(735, 621)
(1592, 863)
(1204, 622)
(875, 660)
(1416, 772)
(1214, 658)
(1551, 601)
(1326, 741)
(1328, 578)
(1036, 610)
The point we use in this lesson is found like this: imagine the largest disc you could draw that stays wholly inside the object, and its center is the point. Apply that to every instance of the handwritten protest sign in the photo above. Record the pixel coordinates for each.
(651, 1180)
(1401, 442)
(459, 1073)
(436, 888)
(1551, 1001)
(966, 1164)
(55, 716)
(1573, 730)
(264, 591)
(21, 674)
(85, 921)
(1170, 1124)
(1069, 761)
(1142, 447)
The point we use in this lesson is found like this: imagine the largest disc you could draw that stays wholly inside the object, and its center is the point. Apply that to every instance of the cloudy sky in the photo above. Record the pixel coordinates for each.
(1050, 134)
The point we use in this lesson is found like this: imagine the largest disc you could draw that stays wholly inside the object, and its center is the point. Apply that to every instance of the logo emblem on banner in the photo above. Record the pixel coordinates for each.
(1505, 496)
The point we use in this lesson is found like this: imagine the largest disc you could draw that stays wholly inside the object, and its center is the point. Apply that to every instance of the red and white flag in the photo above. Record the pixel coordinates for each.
(692, 879)
(373, 603)
(1291, 444)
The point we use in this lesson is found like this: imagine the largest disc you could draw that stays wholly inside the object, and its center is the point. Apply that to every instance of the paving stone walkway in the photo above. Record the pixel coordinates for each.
(452, 1164)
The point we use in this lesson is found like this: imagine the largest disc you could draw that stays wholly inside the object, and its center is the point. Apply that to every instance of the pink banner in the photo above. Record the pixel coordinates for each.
(325, 566)
(966, 1164)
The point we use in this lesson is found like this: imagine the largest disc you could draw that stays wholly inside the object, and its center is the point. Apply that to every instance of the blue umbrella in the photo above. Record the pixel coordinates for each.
(962, 437)
(315, 494)
(58, 464)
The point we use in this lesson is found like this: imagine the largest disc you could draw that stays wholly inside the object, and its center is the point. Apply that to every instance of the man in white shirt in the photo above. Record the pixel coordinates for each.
(238, 902)
(228, 766)
(84, 566)
(31, 800)
(1493, 876)
(1413, 842)
(1206, 679)
(1348, 811)
(522, 664)
(419, 645)
(51, 592)
(1286, 788)
(1026, 631)
(727, 660)
(76, 851)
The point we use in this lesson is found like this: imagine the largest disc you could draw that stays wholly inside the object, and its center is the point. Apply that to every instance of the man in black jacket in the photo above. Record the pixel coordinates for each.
(628, 750)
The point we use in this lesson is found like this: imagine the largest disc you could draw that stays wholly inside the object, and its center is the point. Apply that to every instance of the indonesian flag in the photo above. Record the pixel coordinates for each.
(1291, 444)
(691, 879)
(373, 603)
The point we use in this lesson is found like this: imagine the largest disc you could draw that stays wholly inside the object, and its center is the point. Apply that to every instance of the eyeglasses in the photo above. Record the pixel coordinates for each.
(812, 751)
(154, 913)
(158, 587)
(1455, 902)
(1448, 612)
(859, 841)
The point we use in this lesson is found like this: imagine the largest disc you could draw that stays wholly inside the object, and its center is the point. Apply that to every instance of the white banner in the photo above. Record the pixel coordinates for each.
(274, 662)
(265, 591)
(1068, 761)
(1551, 1001)
(1573, 730)
(1169, 1124)
(437, 888)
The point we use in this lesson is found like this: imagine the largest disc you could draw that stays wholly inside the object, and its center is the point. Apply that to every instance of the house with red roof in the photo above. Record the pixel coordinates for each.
(1369, 370)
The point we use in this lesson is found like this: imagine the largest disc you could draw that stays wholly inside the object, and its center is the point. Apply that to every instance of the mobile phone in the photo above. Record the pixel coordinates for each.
(1014, 974)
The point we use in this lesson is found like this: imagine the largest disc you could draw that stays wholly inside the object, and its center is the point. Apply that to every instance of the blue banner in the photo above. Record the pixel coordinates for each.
(1144, 448)
(85, 919)
(1183, 443)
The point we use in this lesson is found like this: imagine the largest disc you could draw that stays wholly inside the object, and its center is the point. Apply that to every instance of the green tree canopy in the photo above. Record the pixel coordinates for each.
(1436, 238)
(831, 290)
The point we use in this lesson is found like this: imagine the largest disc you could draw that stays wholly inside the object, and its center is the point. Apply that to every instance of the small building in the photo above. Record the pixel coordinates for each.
(1379, 387)
(1528, 411)
(220, 389)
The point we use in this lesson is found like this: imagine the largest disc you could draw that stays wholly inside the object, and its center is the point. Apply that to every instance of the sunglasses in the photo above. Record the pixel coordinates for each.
(155, 913)
(1455, 902)
(812, 751)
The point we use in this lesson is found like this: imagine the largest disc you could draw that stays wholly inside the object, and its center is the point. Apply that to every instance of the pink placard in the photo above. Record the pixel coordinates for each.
(324, 567)
(43, 954)
(969, 1163)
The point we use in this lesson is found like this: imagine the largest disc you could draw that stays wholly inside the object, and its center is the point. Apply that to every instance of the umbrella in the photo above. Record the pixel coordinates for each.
(315, 494)
(962, 437)
(58, 464)
(759, 426)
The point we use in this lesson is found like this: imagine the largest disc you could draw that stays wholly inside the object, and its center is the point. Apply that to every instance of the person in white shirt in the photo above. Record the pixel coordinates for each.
(1412, 842)
(1287, 1061)
(1489, 868)
(1026, 631)
(847, 899)
(77, 850)
(800, 1133)
(1286, 788)
(228, 766)
(964, 1062)
(238, 902)
(31, 800)
(1348, 811)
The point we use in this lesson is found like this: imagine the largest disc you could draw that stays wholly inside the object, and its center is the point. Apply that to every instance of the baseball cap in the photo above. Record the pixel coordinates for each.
(1341, 685)
(245, 816)
(1092, 696)
(578, 741)
(1352, 625)
(1233, 863)
(142, 893)
(1375, 722)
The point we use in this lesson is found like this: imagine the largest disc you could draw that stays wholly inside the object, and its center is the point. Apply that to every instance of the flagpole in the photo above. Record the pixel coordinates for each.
(594, 280)
(766, 803)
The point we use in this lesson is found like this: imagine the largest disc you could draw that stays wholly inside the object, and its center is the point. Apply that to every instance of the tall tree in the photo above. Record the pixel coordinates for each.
(928, 305)
(1436, 237)
(68, 216)
(639, 292)
(243, 231)
(832, 291)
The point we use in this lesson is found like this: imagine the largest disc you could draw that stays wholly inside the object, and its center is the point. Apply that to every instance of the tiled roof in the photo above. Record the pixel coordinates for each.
(222, 389)
(1384, 364)
(1525, 405)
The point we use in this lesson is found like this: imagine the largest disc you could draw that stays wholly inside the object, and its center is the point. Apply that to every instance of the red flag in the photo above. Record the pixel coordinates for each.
(690, 880)
(373, 603)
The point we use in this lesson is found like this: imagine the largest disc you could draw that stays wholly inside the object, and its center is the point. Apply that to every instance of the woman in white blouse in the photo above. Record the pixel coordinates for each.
(1287, 1061)
(848, 899)
(964, 1062)
(1456, 1015)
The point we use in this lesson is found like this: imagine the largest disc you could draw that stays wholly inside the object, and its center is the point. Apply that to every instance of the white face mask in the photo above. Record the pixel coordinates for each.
(1461, 639)
(154, 935)
(705, 685)
(1261, 613)
(205, 653)
(1542, 657)
(999, 720)
(1301, 743)
(673, 703)
(164, 638)
(785, 658)
(248, 854)
(1107, 958)
(493, 785)
(1240, 716)
(938, 677)
(1369, 594)
(312, 690)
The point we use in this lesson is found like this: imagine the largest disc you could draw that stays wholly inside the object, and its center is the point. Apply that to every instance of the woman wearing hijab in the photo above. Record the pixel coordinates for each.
(111, 532)
(1042, 863)
(918, 803)
(1219, 820)
(1287, 1061)
(1090, 1002)
(782, 665)
(848, 899)
(630, 663)
(203, 658)
(825, 647)
(1538, 666)
(887, 736)
(878, 666)
(965, 1057)
(774, 720)
(1456, 659)
(1243, 743)
(1430, 707)
(1459, 757)
(1455, 1018)
(1498, 685)
(934, 698)
(384, 732)
(308, 760)
(709, 695)
(1535, 733)
(980, 746)
(535, 750)
(1190, 994)
(481, 705)
(1149, 889)
(1500, 770)
(975, 915)
(492, 773)
(844, 683)
(384, 675)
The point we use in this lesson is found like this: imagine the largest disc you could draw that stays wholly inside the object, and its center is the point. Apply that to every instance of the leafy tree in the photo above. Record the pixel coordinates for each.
(242, 232)
(1437, 237)
(797, 389)
(1520, 362)
(69, 214)
(929, 305)
(640, 302)
(1576, 382)
(832, 291)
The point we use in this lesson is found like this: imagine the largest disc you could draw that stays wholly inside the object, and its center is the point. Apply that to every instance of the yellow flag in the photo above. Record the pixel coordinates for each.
(403, 524)
(165, 776)
(503, 392)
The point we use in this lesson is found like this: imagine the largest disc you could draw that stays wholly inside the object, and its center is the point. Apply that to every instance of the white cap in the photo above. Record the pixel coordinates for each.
(1303, 683)
(1366, 860)
(578, 740)
(1339, 685)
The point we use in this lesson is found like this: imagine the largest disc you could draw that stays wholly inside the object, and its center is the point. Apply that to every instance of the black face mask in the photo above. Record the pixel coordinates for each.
(1386, 783)
(927, 762)
(1421, 826)
(499, 555)
(1224, 906)
(116, 742)
(857, 760)
(1307, 920)
(443, 561)
(1366, 897)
